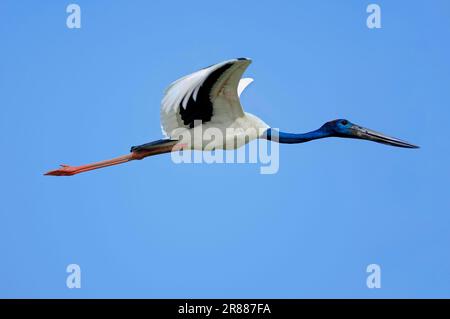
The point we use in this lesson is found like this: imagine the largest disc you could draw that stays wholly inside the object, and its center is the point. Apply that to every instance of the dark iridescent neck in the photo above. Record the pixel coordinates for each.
(292, 138)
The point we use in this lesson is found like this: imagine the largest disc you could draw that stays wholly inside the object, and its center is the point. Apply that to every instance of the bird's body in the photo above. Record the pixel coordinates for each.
(202, 111)
(211, 136)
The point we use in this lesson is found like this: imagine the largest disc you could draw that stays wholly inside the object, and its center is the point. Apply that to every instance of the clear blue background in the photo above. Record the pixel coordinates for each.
(155, 229)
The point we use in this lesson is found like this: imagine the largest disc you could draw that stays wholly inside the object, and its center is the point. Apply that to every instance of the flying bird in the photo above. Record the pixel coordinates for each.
(210, 99)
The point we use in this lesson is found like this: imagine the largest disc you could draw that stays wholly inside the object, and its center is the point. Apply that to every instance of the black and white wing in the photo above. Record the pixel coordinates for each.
(209, 95)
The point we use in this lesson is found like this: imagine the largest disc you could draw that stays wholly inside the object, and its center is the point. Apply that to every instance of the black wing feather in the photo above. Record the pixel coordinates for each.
(202, 107)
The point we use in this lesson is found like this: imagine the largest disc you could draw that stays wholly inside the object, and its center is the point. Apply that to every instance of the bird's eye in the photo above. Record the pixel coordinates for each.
(344, 122)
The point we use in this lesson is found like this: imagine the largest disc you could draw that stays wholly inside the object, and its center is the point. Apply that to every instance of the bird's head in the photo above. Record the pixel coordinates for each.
(345, 128)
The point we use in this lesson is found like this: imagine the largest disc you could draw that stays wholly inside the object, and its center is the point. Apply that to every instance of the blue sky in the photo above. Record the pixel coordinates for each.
(154, 229)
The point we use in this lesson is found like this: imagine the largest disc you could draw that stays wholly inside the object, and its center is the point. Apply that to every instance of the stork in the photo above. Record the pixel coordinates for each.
(209, 99)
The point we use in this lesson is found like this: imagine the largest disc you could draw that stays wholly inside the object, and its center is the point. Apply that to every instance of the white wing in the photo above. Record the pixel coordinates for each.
(243, 83)
(208, 95)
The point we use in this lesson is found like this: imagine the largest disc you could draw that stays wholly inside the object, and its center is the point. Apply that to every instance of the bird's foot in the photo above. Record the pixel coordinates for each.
(65, 170)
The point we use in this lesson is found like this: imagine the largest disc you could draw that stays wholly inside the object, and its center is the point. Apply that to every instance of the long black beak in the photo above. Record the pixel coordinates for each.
(367, 134)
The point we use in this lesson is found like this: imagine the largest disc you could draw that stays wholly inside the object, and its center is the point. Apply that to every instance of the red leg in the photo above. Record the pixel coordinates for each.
(67, 170)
